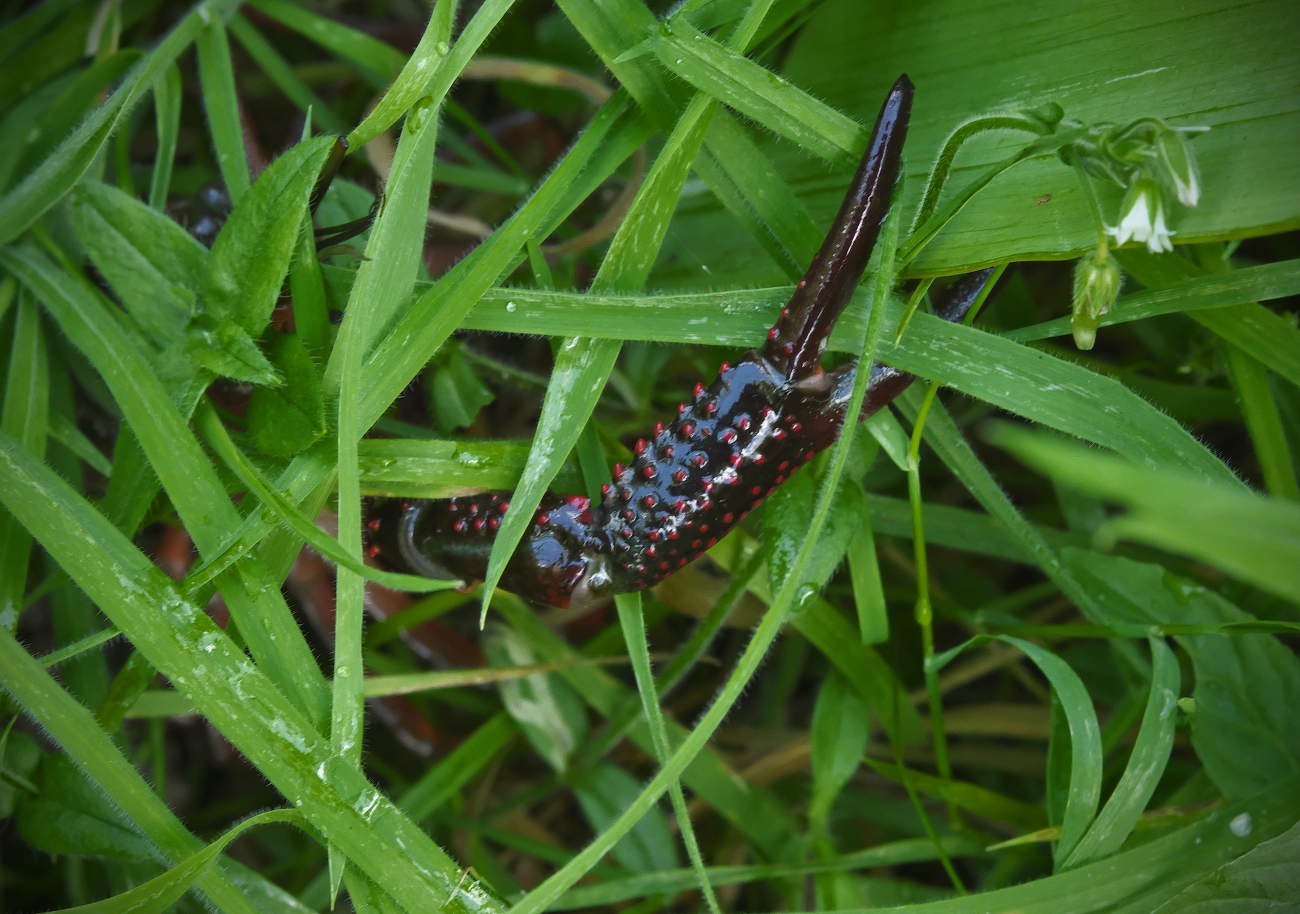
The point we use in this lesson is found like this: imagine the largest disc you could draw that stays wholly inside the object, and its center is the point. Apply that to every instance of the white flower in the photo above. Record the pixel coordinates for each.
(1143, 217)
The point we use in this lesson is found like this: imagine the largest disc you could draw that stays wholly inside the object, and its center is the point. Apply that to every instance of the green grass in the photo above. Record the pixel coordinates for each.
(1057, 671)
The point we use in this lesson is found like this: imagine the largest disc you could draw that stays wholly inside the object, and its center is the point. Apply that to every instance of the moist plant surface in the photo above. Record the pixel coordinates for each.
(277, 279)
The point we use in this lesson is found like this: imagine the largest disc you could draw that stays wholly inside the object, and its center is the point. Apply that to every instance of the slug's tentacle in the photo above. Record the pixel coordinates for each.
(796, 342)
(757, 424)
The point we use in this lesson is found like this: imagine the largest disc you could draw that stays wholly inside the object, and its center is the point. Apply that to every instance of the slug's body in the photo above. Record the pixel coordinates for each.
(729, 448)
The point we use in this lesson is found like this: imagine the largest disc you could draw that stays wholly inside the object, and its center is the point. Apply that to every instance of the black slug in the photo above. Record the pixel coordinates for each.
(727, 450)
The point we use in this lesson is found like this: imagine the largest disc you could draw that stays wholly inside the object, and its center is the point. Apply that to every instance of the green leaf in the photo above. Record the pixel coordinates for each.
(18, 761)
(286, 420)
(1220, 68)
(786, 516)
(248, 261)
(1265, 878)
(440, 782)
(69, 816)
(972, 797)
(458, 394)
(59, 115)
(544, 706)
(225, 349)
(1251, 284)
(1246, 730)
(839, 739)
(1250, 537)
(603, 793)
(191, 482)
(160, 893)
(167, 118)
(1145, 766)
(151, 263)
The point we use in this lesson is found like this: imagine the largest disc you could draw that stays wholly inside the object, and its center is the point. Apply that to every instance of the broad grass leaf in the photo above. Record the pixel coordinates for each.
(839, 738)
(435, 468)
(144, 256)
(1265, 879)
(1248, 536)
(545, 707)
(288, 419)
(250, 258)
(1246, 730)
(69, 815)
(1219, 61)
(603, 793)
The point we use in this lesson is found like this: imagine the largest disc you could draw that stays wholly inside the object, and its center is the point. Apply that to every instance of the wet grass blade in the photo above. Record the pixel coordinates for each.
(201, 661)
(181, 465)
(76, 730)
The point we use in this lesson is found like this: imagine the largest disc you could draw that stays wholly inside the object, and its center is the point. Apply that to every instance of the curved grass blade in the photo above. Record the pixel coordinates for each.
(1145, 766)
(377, 63)
(1085, 737)
(161, 892)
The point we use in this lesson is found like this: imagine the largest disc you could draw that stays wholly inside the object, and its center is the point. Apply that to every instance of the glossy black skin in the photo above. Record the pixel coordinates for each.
(729, 448)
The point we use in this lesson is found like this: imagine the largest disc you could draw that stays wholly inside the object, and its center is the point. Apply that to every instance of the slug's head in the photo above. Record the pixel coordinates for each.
(595, 584)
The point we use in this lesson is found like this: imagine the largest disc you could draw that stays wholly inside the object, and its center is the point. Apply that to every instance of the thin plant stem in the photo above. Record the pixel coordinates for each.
(924, 610)
(916, 803)
(634, 633)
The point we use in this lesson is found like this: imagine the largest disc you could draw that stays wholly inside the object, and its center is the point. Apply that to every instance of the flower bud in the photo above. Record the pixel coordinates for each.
(1180, 165)
(1096, 284)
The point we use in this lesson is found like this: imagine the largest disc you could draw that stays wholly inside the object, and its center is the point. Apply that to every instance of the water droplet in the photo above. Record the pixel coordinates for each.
(511, 306)
(442, 49)
(1241, 826)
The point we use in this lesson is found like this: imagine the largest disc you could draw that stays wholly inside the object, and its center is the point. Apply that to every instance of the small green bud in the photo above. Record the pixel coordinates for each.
(1096, 285)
